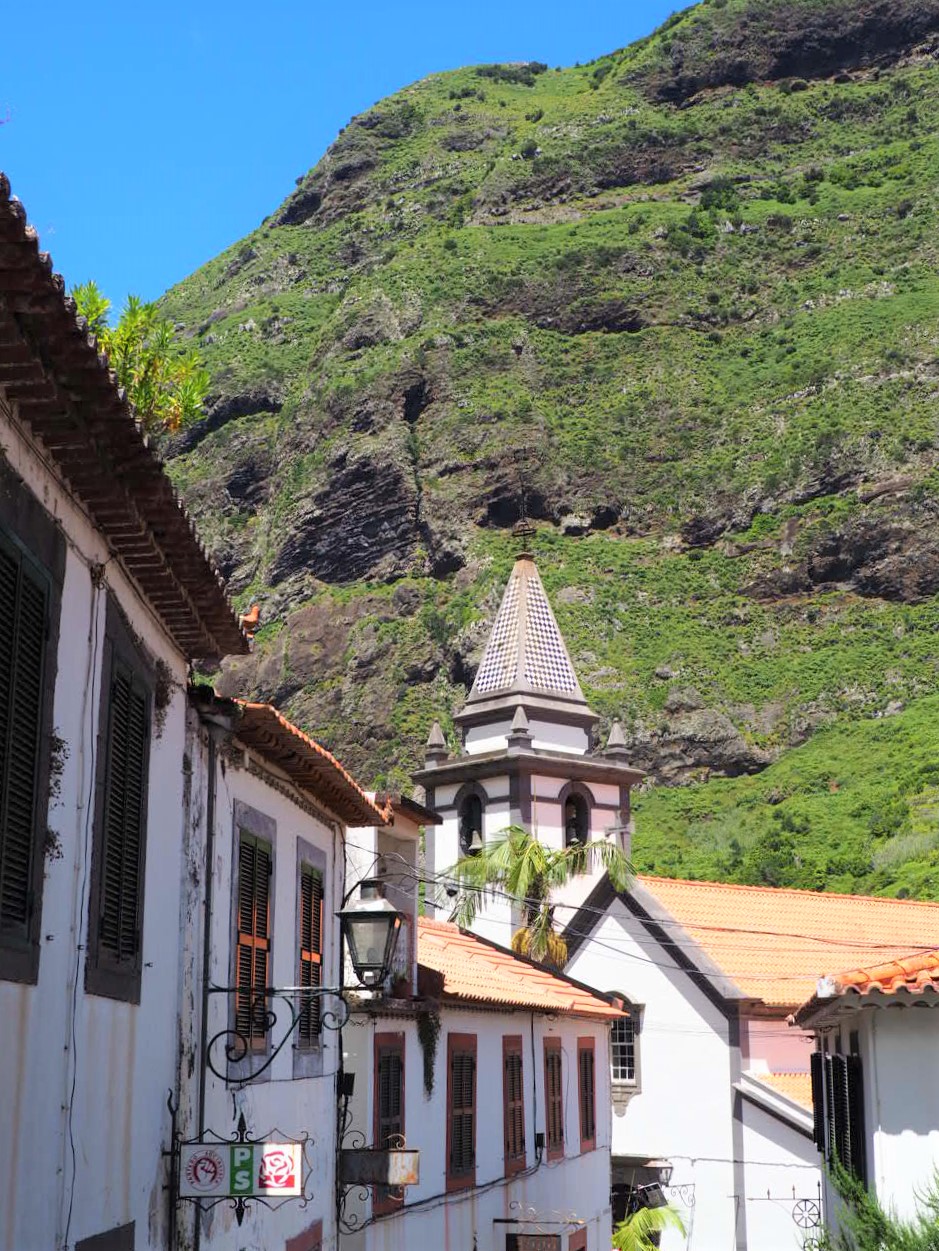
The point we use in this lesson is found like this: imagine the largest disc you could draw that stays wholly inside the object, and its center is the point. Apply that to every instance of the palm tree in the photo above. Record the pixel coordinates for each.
(637, 1231)
(521, 866)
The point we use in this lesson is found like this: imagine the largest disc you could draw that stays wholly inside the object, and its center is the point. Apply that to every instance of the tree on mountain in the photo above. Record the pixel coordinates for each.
(520, 865)
(166, 385)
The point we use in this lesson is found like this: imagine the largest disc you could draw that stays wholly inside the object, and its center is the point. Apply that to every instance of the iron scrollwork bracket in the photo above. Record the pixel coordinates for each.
(230, 1046)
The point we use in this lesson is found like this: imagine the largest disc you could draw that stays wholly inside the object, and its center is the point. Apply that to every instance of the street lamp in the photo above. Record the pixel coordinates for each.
(371, 926)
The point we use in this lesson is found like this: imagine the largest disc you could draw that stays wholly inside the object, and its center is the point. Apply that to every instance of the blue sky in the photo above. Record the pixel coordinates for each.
(143, 139)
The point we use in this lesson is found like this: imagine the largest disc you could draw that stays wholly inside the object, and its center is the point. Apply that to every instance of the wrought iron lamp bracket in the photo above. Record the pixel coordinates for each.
(230, 1046)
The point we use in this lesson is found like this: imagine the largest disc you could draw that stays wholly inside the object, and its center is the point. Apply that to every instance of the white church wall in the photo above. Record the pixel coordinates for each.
(681, 1110)
(553, 736)
(782, 1169)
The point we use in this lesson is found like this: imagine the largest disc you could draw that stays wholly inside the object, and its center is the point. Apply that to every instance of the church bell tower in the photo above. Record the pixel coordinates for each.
(528, 754)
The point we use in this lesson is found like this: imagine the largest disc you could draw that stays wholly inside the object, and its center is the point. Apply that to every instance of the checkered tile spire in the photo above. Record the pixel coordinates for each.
(526, 652)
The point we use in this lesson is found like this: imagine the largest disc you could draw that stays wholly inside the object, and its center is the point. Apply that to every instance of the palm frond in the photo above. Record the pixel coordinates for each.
(635, 1232)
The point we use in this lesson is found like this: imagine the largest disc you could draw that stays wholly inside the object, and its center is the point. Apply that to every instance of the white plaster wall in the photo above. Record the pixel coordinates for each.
(683, 1110)
(490, 737)
(900, 1058)
(577, 1187)
(551, 736)
(83, 1108)
(782, 1166)
(277, 1100)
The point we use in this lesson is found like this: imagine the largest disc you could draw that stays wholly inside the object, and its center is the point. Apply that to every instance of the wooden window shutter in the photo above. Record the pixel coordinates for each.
(855, 1129)
(586, 1090)
(253, 940)
(23, 622)
(389, 1109)
(554, 1098)
(818, 1101)
(124, 815)
(513, 1104)
(461, 1163)
(311, 952)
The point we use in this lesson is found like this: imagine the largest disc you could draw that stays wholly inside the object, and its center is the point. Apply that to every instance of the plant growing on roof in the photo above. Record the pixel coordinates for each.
(519, 864)
(166, 385)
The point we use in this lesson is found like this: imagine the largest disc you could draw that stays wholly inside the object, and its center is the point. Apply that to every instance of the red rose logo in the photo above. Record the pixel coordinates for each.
(278, 1170)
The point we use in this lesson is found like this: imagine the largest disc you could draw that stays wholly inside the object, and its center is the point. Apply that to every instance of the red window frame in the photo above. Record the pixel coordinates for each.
(462, 1047)
(577, 1241)
(384, 1199)
(513, 1104)
(587, 1092)
(553, 1099)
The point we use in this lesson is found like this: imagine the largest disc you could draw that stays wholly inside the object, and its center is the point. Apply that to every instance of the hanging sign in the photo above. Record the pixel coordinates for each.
(362, 1166)
(264, 1170)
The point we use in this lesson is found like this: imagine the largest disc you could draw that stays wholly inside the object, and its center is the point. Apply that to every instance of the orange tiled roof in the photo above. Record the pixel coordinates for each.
(477, 971)
(774, 944)
(308, 764)
(795, 1086)
(913, 974)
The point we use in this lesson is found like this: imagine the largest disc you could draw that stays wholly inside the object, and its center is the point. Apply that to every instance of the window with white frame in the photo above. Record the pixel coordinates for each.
(624, 1047)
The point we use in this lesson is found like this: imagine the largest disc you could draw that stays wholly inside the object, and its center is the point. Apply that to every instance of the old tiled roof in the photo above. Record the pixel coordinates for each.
(774, 944)
(795, 1086)
(526, 654)
(899, 980)
(473, 970)
(912, 974)
(308, 765)
(61, 389)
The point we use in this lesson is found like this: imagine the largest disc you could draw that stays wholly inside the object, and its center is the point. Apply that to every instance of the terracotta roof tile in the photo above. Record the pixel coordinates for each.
(478, 971)
(774, 944)
(795, 1086)
(308, 764)
(913, 974)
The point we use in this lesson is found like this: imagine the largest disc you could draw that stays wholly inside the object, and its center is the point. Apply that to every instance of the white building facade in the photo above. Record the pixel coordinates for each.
(261, 1006)
(106, 596)
(874, 1078)
(497, 1074)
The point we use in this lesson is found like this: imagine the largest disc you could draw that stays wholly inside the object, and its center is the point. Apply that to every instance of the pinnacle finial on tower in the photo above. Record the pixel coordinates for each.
(520, 734)
(436, 747)
(616, 742)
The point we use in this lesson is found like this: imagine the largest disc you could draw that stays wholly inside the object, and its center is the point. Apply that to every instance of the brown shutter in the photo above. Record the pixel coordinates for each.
(586, 1093)
(462, 1109)
(311, 951)
(513, 1097)
(23, 622)
(125, 797)
(253, 940)
(554, 1099)
(389, 1109)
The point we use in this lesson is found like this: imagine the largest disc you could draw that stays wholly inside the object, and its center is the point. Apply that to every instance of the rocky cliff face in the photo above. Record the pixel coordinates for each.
(678, 306)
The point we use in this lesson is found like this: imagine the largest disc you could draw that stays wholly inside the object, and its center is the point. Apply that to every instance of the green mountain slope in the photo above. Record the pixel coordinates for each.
(680, 306)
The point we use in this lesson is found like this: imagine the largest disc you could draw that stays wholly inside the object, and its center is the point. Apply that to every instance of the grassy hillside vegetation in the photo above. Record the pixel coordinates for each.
(682, 306)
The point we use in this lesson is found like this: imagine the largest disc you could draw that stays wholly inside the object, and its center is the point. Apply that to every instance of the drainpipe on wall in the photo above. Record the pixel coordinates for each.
(215, 727)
